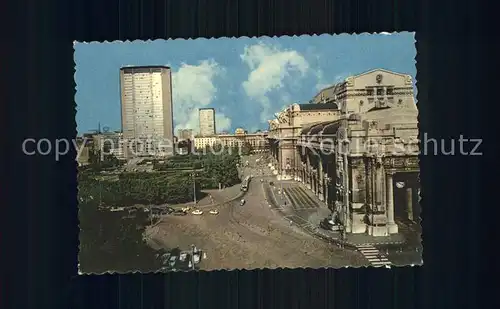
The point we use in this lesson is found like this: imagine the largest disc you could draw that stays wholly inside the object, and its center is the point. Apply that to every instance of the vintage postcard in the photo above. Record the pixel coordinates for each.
(248, 153)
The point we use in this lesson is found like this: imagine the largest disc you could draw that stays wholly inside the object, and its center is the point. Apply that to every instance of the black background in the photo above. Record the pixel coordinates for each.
(40, 194)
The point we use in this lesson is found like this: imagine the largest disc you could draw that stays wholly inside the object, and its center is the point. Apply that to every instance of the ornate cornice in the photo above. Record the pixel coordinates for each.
(401, 162)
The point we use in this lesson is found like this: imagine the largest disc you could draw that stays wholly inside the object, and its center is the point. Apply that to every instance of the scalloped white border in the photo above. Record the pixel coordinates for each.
(386, 267)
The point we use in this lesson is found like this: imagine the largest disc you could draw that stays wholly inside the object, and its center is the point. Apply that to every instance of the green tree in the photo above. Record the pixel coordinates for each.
(246, 149)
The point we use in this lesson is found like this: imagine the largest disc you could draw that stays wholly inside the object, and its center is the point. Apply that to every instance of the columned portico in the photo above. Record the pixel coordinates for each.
(391, 224)
(361, 186)
(409, 203)
(321, 184)
(308, 171)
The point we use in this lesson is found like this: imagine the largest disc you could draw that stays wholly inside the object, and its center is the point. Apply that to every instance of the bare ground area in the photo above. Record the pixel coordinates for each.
(249, 237)
(218, 196)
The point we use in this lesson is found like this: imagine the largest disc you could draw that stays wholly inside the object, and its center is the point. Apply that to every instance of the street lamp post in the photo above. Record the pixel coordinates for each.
(346, 189)
(346, 168)
(281, 169)
(194, 188)
(192, 257)
(342, 236)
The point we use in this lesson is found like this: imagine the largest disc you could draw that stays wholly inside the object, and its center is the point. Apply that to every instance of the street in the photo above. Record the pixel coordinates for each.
(251, 236)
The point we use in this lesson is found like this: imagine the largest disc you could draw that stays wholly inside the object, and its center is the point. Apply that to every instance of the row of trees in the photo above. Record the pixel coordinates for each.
(169, 165)
(112, 241)
(175, 185)
(213, 168)
(132, 189)
(220, 169)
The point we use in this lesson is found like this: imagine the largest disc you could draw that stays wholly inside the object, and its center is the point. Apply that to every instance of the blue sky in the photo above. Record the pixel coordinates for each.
(246, 80)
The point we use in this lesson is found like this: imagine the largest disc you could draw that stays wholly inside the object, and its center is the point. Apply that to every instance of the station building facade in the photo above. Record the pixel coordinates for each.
(355, 145)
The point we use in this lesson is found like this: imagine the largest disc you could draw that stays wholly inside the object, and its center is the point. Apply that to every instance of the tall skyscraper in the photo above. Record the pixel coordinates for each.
(146, 101)
(207, 121)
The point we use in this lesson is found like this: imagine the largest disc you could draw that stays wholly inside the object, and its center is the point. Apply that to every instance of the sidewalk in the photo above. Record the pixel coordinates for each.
(310, 221)
(350, 239)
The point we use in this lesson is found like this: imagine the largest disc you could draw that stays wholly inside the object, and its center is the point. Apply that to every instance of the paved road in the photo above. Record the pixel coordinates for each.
(306, 211)
(251, 236)
(373, 255)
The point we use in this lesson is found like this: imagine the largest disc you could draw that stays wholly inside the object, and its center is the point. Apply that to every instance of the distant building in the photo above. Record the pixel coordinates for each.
(105, 143)
(110, 143)
(83, 150)
(147, 117)
(257, 141)
(201, 142)
(184, 134)
(207, 121)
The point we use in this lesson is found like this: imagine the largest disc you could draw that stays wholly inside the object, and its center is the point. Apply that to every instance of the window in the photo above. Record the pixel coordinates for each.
(390, 91)
(369, 91)
(380, 91)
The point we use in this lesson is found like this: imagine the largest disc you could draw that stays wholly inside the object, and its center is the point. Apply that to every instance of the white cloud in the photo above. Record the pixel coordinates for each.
(269, 67)
(193, 88)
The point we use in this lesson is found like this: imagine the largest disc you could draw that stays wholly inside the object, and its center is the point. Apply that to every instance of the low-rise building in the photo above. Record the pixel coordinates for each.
(202, 142)
(257, 142)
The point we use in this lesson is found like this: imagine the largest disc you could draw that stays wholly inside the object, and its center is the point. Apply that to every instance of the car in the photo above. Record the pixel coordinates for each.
(183, 256)
(172, 261)
(196, 258)
(197, 212)
(242, 202)
(165, 258)
(328, 225)
(186, 209)
(179, 212)
(214, 212)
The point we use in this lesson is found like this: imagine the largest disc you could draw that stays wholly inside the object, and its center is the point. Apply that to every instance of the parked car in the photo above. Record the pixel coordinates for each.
(214, 212)
(242, 202)
(328, 225)
(179, 213)
(197, 212)
(172, 261)
(165, 258)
